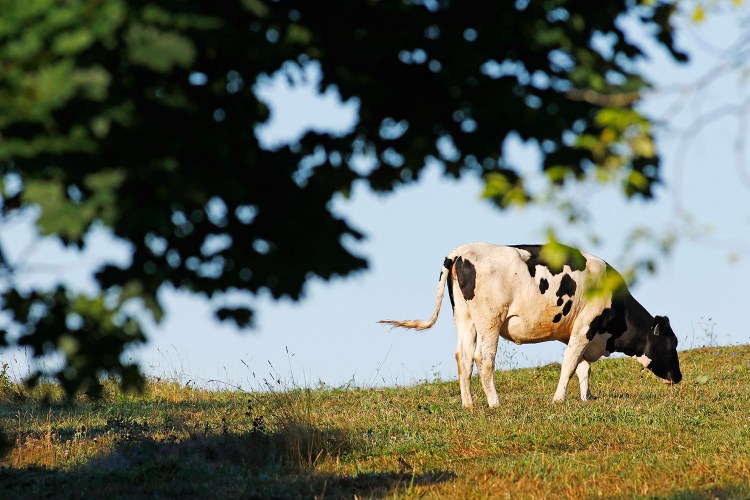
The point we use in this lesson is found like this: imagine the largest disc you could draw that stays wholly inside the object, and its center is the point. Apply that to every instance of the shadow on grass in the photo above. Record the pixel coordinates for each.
(250, 465)
(739, 491)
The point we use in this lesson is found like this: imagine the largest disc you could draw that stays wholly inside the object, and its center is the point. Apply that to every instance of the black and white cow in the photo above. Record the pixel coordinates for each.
(511, 291)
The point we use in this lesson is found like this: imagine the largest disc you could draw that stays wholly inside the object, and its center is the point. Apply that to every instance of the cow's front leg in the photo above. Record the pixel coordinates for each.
(583, 371)
(571, 358)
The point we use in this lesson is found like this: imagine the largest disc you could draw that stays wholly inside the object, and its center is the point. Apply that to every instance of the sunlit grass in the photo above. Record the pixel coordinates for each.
(639, 439)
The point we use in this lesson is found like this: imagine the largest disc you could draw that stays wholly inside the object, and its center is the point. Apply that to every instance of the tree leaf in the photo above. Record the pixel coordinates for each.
(58, 216)
(158, 50)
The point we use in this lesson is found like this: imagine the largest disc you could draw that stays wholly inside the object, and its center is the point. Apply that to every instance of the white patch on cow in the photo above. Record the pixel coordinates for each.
(643, 359)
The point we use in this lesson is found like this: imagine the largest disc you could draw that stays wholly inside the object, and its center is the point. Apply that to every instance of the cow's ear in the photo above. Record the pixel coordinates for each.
(660, 323)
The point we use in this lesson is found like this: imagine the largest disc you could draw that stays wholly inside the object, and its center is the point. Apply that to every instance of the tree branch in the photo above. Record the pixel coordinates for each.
(605, 100)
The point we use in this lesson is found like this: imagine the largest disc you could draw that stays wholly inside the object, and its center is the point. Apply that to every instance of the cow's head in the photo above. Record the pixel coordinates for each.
(661, 349)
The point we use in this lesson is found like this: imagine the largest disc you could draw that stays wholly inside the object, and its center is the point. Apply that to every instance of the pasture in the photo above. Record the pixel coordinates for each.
(639, 439)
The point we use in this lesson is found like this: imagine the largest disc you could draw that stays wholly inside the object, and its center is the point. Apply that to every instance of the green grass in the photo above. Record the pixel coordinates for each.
(639, 439)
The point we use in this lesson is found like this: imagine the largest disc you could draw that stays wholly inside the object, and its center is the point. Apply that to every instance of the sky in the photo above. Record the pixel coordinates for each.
(331, 336)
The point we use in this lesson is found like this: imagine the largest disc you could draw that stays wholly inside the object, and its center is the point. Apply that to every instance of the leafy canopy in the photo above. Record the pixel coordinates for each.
(140, 117)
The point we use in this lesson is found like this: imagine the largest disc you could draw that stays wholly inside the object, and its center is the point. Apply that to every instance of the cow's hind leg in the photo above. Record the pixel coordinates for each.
(487, 350)
(583, 370)
(467, 342)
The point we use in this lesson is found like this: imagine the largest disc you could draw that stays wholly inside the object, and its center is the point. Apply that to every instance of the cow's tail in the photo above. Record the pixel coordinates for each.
(424, 324)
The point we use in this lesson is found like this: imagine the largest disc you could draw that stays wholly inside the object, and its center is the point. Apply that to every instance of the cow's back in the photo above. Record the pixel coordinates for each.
(513, 291)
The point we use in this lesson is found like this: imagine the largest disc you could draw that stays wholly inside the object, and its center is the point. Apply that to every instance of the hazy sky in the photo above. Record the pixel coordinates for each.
(331, 335)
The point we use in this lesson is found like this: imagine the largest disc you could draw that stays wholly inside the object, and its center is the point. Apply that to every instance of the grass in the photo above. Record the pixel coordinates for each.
(640, 439)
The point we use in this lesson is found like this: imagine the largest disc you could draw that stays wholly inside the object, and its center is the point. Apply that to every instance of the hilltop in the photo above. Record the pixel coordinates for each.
(639, 439)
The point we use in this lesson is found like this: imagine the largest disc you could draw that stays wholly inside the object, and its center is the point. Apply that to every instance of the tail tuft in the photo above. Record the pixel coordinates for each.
(414, 324)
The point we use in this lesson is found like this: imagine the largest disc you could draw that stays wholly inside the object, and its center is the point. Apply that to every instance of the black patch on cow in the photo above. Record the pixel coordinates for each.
(575, 259)
(567, 307)
(559, 301)
(543, 285)
(625, 320)
(567, 286)
(448, 264)
(557, 318)
(624, 312)
(534, 259)
(467, 277)
(598, 324)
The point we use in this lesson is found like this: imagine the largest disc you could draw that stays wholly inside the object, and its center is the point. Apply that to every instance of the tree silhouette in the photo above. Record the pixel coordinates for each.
(140, 117)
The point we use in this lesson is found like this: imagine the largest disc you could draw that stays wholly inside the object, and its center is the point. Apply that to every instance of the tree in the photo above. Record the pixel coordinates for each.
(140, 117)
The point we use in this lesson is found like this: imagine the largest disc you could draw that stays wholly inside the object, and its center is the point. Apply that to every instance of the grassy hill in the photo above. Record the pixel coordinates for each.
(639, 439)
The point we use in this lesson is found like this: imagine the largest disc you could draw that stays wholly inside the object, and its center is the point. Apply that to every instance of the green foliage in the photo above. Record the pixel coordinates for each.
(505, 189)
(70, 219)
(158, 50)
(140, 117)
(91, 341)
(411, 442)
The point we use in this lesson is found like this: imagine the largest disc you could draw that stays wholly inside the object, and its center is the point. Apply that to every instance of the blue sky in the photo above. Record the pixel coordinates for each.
(331, 336)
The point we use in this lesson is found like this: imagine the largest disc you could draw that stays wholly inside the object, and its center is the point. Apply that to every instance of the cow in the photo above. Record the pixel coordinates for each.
(514, 292)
